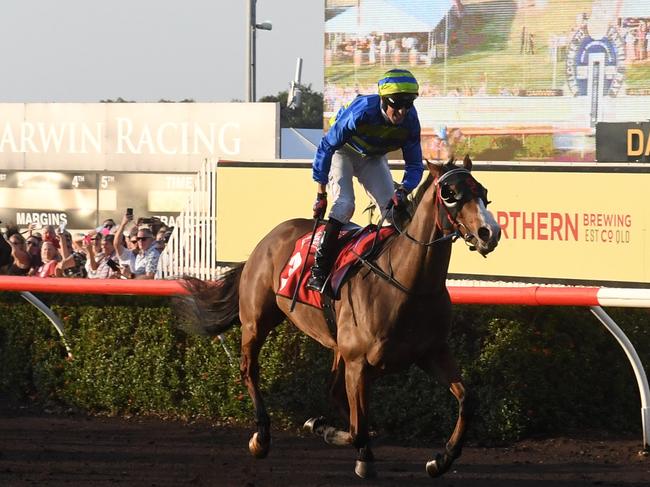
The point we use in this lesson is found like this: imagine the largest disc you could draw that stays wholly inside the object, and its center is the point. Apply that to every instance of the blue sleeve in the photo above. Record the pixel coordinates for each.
(412, 153)
(338, 134)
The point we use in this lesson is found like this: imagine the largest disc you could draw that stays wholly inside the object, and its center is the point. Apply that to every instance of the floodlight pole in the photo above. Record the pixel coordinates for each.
(250, 50)
(251, 27)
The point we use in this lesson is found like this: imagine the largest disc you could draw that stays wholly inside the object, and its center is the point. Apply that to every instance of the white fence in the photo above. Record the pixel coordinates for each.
(192, 247)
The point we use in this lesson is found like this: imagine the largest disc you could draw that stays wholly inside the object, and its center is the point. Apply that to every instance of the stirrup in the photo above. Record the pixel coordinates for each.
(316, 283)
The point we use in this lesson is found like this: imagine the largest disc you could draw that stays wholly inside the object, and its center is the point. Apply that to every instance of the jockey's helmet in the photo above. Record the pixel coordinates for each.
(398, 87)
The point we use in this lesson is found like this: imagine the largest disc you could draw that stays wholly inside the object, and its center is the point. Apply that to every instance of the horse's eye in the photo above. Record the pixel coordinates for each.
(447, 194)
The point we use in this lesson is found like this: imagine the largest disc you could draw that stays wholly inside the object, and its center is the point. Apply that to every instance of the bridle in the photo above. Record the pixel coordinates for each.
(451, 203)
(451, 228)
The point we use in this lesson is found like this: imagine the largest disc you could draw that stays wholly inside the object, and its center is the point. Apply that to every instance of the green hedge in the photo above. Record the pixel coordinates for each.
(535, 370)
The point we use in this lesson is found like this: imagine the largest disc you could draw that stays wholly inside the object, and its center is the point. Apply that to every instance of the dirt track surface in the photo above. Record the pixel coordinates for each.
(55, 450)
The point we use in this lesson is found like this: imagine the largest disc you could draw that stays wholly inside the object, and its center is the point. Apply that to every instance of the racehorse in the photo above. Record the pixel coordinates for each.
(396, 314)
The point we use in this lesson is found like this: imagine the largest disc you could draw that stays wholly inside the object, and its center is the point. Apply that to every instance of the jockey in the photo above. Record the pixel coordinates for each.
(360, 136)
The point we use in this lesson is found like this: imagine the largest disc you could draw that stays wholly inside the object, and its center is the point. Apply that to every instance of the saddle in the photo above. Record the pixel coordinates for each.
(355, 243)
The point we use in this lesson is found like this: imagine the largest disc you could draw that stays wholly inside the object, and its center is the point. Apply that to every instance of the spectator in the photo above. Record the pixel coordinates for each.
(383, 47)
(34, 243)
(146, 262)
(49, 235)
(109, 223)
(16, 260)
(104, 265)
(641, 31)
(531, 43)
(73, 259)
(163, 236)
(96, 239)
(50, 258)
(126, 254)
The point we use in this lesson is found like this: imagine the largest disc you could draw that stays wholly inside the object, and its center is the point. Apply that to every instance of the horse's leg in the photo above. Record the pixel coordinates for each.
(254, 334)
(357, 386)
(444, 364)
(337, 390)
(339, 396)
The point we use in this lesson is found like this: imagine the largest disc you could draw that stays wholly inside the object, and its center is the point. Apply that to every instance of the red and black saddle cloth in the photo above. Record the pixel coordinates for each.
(354, 242)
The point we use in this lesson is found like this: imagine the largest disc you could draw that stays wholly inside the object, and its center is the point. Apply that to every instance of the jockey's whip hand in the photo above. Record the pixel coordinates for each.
(304, 266)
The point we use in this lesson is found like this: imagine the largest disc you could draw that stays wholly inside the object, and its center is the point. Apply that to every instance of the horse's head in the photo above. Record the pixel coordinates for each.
(461, 205)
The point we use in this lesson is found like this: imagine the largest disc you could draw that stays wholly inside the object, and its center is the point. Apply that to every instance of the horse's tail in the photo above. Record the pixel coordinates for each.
(212, 306)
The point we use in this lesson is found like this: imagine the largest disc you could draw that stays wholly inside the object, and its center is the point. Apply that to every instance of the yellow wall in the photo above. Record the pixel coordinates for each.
(556, 224)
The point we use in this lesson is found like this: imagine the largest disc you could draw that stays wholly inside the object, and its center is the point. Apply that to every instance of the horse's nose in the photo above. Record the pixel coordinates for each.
(489, 235)
(484, 234)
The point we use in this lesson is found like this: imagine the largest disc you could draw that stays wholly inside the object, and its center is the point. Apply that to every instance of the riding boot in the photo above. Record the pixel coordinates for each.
(325, 255)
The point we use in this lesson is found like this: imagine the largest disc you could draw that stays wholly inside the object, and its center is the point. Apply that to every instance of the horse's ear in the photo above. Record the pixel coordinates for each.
(434, 169)
(451, 160)
(467, 162)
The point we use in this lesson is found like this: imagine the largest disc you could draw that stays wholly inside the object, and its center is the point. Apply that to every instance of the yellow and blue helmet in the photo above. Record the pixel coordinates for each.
(398, 82)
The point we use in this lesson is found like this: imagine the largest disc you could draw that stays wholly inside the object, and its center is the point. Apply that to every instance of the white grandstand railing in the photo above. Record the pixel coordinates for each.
(192, 247)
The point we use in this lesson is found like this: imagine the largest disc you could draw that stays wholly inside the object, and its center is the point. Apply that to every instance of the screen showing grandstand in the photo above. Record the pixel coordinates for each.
(500, 79)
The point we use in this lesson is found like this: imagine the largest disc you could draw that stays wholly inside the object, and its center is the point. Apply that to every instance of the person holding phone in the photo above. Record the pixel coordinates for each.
(104, 264)
(73, 256)
(126, 253)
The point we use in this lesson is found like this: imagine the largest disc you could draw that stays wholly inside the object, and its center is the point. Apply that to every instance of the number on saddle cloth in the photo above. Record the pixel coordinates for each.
(354, 241)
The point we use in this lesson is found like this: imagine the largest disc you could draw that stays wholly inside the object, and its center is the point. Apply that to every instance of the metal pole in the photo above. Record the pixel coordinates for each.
(50, 315)
(249, 54)
(253, 29)
(637, 366)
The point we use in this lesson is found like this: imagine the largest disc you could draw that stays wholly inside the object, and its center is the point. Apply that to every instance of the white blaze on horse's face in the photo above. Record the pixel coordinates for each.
(488, 232)
(478, 226)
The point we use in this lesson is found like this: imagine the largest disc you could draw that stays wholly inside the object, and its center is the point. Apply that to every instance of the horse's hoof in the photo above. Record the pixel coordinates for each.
(365, 470)
(434, 467)
(315, 425)
(256, 448)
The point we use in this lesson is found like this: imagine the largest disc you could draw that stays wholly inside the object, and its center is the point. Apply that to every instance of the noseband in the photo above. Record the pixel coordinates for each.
(450, 224)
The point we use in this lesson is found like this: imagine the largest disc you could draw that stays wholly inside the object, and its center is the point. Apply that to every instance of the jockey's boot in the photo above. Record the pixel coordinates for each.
(325, 255)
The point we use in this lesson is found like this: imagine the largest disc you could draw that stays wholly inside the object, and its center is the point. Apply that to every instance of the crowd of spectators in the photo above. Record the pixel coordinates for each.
(130, 250)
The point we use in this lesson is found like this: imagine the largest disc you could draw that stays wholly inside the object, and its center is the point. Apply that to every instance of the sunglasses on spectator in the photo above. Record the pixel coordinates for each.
(135, 240)
(144, 238)
(32, 242)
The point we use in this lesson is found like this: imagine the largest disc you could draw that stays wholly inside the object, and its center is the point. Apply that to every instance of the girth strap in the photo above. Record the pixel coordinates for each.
(328, 311)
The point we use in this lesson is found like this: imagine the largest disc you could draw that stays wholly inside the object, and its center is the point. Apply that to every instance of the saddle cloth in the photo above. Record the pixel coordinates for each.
(354, 243)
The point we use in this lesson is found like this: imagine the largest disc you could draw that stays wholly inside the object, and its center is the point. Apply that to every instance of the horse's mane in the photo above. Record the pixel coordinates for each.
(421, 190)
(428, 181)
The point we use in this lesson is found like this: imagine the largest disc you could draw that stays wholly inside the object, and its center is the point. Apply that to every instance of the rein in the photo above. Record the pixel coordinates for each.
(453, 236)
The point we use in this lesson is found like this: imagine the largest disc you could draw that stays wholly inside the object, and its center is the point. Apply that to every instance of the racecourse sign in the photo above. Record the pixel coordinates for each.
(134, 136)
(168, 138)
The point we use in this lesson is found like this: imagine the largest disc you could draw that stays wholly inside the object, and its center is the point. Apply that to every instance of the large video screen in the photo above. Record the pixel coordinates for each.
(501, 79)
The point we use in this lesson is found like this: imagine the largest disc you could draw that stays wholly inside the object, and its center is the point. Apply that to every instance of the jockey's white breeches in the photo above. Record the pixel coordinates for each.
(373, 174)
